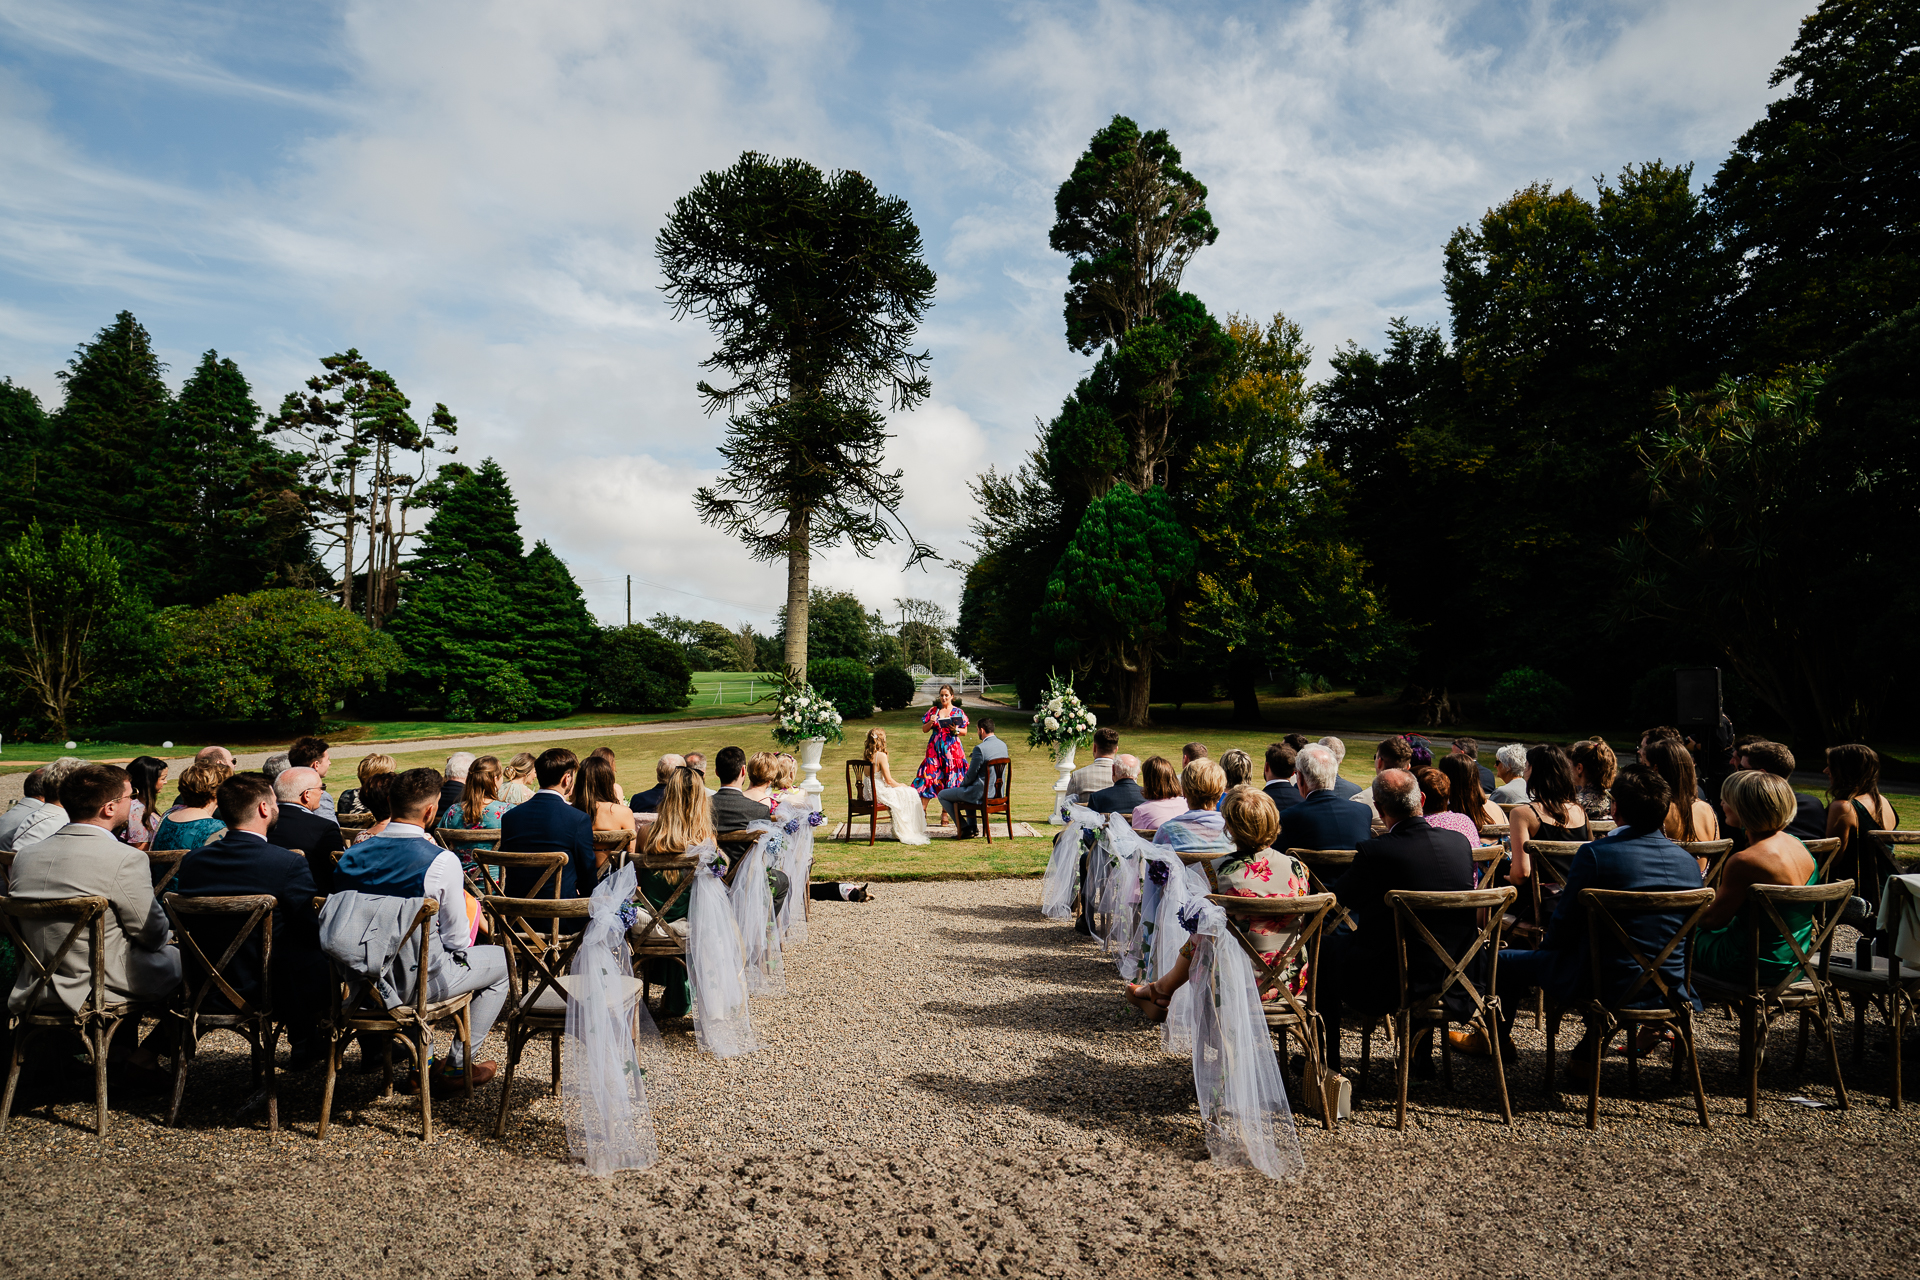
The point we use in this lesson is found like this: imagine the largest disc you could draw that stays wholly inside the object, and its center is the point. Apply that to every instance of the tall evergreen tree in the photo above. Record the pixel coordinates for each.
(557, 633)
(23, 444)
(475, 518)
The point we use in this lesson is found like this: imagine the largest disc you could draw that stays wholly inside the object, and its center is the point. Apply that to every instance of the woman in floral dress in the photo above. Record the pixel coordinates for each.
(946, 761)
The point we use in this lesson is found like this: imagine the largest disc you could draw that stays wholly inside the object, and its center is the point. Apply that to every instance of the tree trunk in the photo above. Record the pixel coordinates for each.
(799, 563)
(1132, 690)
(1242, 674)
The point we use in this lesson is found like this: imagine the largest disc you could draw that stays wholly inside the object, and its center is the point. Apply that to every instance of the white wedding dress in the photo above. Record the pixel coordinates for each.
(904, 811)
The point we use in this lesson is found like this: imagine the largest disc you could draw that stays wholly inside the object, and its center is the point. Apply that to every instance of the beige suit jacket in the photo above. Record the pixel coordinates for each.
(78, 861)
(1095, 775)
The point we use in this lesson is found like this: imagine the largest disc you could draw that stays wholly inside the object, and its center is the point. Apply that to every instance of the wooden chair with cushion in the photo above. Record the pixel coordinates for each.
(1288, 1014)
(996, 796)
(213, 919)
(1607, 939)
(863, 799)
(1890, 984)
(97, 1018)
(164, 864)
(358, 1009)
(1421, 1009)
(1803, 989)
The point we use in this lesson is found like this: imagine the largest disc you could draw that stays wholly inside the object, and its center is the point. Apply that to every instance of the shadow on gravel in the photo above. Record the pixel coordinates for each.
(1043, 1012)
(1024, 913)
(1136, 1099)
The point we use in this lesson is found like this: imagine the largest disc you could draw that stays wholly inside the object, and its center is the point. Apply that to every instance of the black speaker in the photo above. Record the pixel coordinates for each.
(1697, 691)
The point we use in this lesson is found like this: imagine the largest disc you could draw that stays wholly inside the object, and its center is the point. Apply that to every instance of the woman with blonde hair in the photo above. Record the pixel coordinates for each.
(479, 807)
(351, 801)
(762, 769)
(1202, 784)
(905, 805)
(1761, 805)
(516, 787)
(684, 821)
(785, 775)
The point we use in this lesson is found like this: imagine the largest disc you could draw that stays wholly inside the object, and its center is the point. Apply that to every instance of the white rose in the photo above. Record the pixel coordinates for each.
(1050, 724)
(1054, 706)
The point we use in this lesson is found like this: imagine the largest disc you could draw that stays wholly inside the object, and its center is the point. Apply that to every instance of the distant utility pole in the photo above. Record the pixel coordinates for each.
(629, 599)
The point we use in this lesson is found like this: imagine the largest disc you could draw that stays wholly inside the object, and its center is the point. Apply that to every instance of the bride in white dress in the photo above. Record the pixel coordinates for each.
(905, 808)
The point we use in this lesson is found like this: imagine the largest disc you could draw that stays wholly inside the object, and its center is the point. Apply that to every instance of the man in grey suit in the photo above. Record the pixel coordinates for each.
(972, 788)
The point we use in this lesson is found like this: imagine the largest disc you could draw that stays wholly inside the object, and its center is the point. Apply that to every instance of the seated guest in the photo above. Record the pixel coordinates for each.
(248, 860)
(49, 817)
(1390, 753)
(784, 790)
(1435, 808)
(1635, 856)
(1691, 818)
(16, 819)
(374, 793)
(1191, 752)
(1594, 768)
(648, 801)
(761, 768)
(1857, 812)
(83, 860)
(274, 765)
(1464, 795)
(350, 800)
(1125, 795)
(1468, 749)
(593, 796)
(1660, 733)
(683, 821)
(1297, 741)
(456, 784)
(1160, 786)
(1810, 816)
(1281, 788)
(516, 786)
(1342, 787)
(1253, 870)
(314, 754)
(1419, 754)
(298, 824)
(732, 809)
(1509, 763)
(1323, 819)
(973, 785)
(214, 755)
(698, 763)
(1360, 970)
(1097, 773)
(193, 822)
(148, 774)
(1202, 784)
(606, 753)
(1762, 806)
(549, 822)
(402, 862)
(1552, 814)
(1238, 766)
(479, 808)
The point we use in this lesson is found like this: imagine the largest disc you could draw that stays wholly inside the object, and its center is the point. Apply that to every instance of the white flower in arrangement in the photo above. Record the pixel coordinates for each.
(1051, 724)
(1054, 706)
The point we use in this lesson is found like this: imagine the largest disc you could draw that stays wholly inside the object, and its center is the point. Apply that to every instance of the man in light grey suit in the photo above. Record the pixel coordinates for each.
(81, 860)
(972, 788)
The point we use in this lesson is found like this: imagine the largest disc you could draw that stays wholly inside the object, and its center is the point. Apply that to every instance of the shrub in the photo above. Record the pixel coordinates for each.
(893, 688)
(846, 683)
(280, 657)
(638, 669)
(1524, 698)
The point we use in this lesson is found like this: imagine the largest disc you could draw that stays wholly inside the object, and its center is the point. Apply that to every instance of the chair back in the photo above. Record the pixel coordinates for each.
(1824, 902)
(1495, 830)
(493, 865)
(1601, 826)
(613, 839)
(246, 914)
(1823, 852)
(80, 915)
(535, 964)
(366, 1004)
(655, 937)
(1486, 859)
(163, 863)
(1716, 854)
(1543, 852)
(860, 787)
(1607, 907)
(355, 821)
(1411, 909)
(1309, 914)
(997, 781)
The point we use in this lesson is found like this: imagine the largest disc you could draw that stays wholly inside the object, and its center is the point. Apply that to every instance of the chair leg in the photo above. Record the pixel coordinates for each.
(102, 1034)
(1683, 1029)
(17, 1056)
(1896, 1018)
(1593, 1085)
(272, 1041)
(466, 1053)
(553, 1087)
(1553, 1038)
(1753, 1041)
(182, 1056)
(336, 1046)
(1403, 1024)
(1633, 1057)
(1833, 1055)
(423, 1055)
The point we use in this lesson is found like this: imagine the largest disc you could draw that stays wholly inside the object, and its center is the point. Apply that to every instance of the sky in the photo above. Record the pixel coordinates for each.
(469, 194)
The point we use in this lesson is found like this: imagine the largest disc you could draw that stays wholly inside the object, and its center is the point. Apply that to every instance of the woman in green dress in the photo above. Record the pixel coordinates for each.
(683, 822)
(1761, 804)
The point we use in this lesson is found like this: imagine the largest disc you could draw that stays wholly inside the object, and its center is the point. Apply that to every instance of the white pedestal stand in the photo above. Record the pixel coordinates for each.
(1063, 765)
(810, 766)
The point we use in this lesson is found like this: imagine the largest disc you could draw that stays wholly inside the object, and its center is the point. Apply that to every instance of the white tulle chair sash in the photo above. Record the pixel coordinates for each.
(604, 1087)
(1121, 894)
(752, 902)
(1063, 868)
(722, 1024)
(796, 859)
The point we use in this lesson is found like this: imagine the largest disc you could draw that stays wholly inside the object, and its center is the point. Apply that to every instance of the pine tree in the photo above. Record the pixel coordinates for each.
(458, 628)
(23, 443)
(556, 632)
(475, 519)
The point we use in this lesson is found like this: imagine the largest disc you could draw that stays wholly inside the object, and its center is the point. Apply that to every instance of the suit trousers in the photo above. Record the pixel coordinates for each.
(485, 976)
(961, 795)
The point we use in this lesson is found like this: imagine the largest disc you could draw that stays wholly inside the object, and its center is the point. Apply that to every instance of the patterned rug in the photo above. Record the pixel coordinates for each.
(936, 832)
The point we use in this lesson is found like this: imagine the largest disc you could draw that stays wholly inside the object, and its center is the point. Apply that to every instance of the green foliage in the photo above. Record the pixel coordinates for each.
(557, 632)
(276, 657)
(1021, 527)
(1820, 201)
(846, 683)
(475, 518)
(706, 646)
(59, 601)
(1529, 699)
(839, 626)
(637, 669)
(893, 688)
(23, 457)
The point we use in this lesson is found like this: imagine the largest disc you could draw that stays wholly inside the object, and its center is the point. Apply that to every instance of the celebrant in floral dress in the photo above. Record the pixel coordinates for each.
(946, 762)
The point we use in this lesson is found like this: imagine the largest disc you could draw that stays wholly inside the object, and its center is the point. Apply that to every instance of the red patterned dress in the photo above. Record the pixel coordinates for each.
(946, 762)
(1269, 873)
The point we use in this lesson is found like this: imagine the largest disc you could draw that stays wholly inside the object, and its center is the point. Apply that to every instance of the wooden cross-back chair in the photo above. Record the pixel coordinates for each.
(996, 796)
(164, 864)
(1715, 854)
(1286, 1013)
(1802, 989)
(1890, 984)
(251, 1019)
(617, 843)
(98, 1016)
(1495, 830)
(1421, 1009)
(1606, 940)
(1325, 864)
(1601, 826)
(538, 980)
(357, 1009)
(355, 821)
(863, 799)
(652, 935)
(466, 844)
(1824, 852)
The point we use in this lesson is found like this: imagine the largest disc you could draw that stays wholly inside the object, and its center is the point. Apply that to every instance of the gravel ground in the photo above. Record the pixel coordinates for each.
(953, 1085)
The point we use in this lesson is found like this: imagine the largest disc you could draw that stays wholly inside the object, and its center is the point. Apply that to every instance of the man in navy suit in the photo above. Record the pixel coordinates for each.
(1341, 787)
(1635, 856)
(648, 801)
(1280, 766)
(1361, 967)
(1323, 819)
(243, 862)
(1125, 795)
(549, 822)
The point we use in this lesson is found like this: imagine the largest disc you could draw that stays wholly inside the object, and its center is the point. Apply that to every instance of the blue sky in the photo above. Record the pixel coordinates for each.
(469, 194)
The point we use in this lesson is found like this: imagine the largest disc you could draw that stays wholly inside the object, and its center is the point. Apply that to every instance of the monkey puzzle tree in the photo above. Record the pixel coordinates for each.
(815, 286)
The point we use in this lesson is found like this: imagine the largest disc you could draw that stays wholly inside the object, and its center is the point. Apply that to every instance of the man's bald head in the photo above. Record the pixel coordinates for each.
(1396, 794)
(1125, 767)
(213, 755)
(292, 786)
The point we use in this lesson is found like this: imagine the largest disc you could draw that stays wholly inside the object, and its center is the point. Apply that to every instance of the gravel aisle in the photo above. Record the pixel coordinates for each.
(952, 1085)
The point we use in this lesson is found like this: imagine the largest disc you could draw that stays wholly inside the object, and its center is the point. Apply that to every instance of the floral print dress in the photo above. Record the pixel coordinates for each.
(1270, 874)
(946, 762)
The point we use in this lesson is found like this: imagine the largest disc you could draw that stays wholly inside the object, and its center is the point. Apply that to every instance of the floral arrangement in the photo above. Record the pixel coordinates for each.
(801, 713)
(1062, 720)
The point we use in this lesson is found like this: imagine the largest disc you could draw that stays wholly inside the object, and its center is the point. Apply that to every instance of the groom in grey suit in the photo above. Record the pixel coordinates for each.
(972, 788)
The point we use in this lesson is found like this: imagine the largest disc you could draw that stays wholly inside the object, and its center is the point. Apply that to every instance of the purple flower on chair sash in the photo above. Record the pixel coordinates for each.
(792, 826)
(1157, 872)
(1089, 837)
(629, 913)
(1189, 916)
(815, 818)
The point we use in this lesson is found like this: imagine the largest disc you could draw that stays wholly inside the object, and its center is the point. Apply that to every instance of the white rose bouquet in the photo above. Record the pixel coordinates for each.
(1062, 719)
(801, 713)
